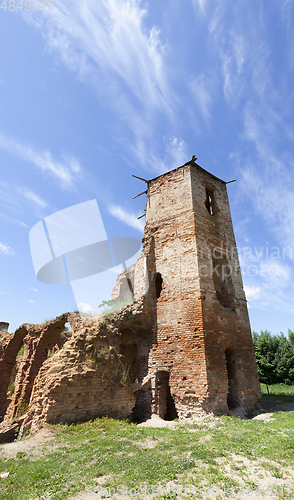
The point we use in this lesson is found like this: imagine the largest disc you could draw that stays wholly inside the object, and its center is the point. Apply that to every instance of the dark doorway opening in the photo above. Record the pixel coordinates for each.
(158, 284)
(166, 405)
(232, 397)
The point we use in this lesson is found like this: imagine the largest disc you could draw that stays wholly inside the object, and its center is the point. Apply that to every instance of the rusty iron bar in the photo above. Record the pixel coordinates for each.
(231, 181)
(143, 192)
(141, 216)
(141, 179)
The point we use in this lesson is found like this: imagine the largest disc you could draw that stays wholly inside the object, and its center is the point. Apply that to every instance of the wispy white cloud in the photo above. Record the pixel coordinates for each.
(110, 35)
(268, 277)
(243, 40)
(268, 181)
(32, 301)
(34, 289)
(15, 200)
(176, 153)
(199, 88)
(200, 4)
(270, 195)
(158, 159)
(111, 45)
(127, 217)
(65, 171)
(12, 220)
(243, 45)
(5, 249)
(35, 198)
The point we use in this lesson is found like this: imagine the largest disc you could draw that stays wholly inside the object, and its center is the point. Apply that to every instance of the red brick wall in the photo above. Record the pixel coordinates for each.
(192, 329)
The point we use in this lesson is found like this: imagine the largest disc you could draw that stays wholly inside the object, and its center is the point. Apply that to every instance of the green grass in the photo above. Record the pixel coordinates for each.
(278, 389)
(136, 457)
(278, 393)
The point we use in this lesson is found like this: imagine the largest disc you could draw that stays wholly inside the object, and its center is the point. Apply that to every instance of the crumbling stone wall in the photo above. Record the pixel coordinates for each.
(96, 371)
(9, 347)
(37, 342)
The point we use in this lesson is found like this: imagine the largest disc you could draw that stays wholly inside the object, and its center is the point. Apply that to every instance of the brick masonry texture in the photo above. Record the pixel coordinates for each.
(201, 333)
(182, 349)
(93, 370)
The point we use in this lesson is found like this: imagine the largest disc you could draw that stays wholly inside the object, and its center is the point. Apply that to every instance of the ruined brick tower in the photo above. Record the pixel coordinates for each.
(202, 356)
(183, 348)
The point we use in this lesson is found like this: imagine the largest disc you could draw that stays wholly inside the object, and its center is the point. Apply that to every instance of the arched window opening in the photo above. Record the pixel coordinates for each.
(67, 328)
(65, 335)
(210, 201)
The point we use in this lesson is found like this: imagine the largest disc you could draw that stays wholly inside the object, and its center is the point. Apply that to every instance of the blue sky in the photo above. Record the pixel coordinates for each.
(97, 90)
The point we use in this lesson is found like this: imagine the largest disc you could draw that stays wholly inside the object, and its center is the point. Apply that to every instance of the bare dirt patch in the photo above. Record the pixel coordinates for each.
(156, 421)
(32, 445)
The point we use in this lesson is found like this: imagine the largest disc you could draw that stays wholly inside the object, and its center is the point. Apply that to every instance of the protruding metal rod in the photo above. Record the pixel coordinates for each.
(141, 179)
(143, 192)
(231, 181)
(141, 216)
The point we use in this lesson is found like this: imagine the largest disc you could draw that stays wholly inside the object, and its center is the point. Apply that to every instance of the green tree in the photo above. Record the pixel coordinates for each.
(274, 357)
(291, 337)
(265, 349)
(284, 359)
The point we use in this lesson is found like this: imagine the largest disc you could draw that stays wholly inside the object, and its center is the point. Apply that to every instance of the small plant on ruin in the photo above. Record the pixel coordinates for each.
(89, 356)
(122, 374)
(21, 351)
(107, 307)
(111, 306)
(101, 350)
(23, 409)
(125, 375)
(106, 304)
(11, 387)
(47, 321)
(96, 352)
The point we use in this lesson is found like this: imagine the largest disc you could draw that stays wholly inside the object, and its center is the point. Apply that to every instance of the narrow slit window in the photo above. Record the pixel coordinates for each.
(210, 203)
(158, 284)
